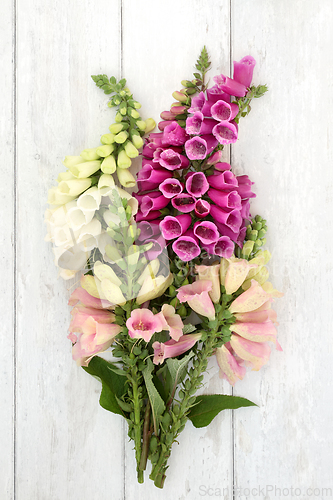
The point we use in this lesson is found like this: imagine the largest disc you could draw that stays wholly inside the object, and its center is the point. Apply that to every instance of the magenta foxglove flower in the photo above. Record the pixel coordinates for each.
(157, 248)
(163, 124)
(236, 236)
(206, 231)
(215, 94)
(211, 142)
(223, 247)
(152, 215)
(193, 123)
(230, 369)
(202, 208)
(215, 158)
(154, 175)
(196, 148)
(186, 247)
(173, 348)
(170, 159)
(197, 297)
(171, 187)
(148, 150)
(224, 181)
(142, 324)
(226, 132)
(221, 167)
(232, 219)
(150, 203)
(230, 86)
(196, 184)
(171, 321)
(173, 227)
(244, 187)
(243, 70)
(174, 134)
(183, 202)
(245, 210)
(226, 200)
(197, 103)
(148, 229)
(224, 111)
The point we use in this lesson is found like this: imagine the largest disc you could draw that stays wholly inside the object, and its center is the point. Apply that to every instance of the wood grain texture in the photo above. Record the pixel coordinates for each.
(7, 249)
(67, 447)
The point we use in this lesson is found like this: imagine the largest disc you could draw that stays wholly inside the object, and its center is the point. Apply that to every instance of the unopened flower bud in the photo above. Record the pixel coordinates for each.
(253, 235)
(247, 248)
(115, 128)
(187, 83)
(118, 117)
(150, 125)
(121, 137)
(123, 160)
(108, 165)
(141, 125)
(191, 91)
(105, 150)
(136, 139)
(107, 139)
(134, 113)
(125, 177)
(131, 150)
(90, 154)
(179, 96)
(261, 233)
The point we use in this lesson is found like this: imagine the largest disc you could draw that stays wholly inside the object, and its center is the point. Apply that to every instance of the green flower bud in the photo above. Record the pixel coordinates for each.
(253, 235)
(141, 125)
(187, 83)
(131, 150)
(247, 248)
(107, 139)
(191, 91)
(136, 105)
(123, 110)
(261, 233)
(105, 150)
(259, 243)
(108, 165)
(188, 384)
(134, 113)
(121, 137)
(119, 117)
(257, 225)
(150, 125)
(115, 128)
(90, 154)
(136, 139)
(123, 161)
(125, 177)
(258, 218)
(179, 96)
(181, 394)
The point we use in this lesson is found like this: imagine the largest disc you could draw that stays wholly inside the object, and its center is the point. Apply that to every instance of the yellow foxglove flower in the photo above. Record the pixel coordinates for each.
(150, 125)
(70, 161)
(109, 165)
(125, 177)
(74, 187)
(153, 287)
(105, 150)
(86, 169)
(107, 139)
(90, 154)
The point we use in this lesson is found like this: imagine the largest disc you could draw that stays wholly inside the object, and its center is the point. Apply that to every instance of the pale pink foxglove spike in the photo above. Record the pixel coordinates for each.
(80, 314)
(250, 300)
(230, 86)
(174, 135)
(232, 219)
(197, 103)
(229, 368)
(183, 202)
(211, 273)
(206, 231)
(142, 324)
(258, 316)
(196, 184)
(173, 227)
(257, 332)
(225, 200)
(202, 208)
(224, 181)
(197, 297)
(172, 348)
(171, 321)
(226, 132)
(186, 247)
(171, 187)
(243, 70)
(150, 203)
(81, 295)
(255, 354)
(196, 148)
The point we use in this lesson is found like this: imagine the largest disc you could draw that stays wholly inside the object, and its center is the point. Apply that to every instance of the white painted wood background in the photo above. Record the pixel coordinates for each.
(56, 442)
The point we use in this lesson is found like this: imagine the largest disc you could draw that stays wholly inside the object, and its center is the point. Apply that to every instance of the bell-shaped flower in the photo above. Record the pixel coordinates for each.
(170, 159)
(90, 200)
(225, 181)
(142, 324)
(211, 273)
(197, 102)
(201, 208)
(224, 111)
(74, 187)
(56, 197)
(171, 187)
(250, 300)
(80, 295)
(86, 169)
(174, 134)
(125, 177)
(171, 321)
(155, 175)
(232, 219)
(225, 200)
(80, 314)
(236, 274)
(256, 332)
(196, 184)
(153, 287)
(173, 227)
(243, 70)
(183, 202)
(69, 161)
(226, 132)
(151, 270)
(153, 201)
(197, 297)
(193, 123)
(221, 167)
(223, 247)
(106, 184)
(230, 369)
(109, 165)
(173, 348)
(230, 86)
(206, 231)
(186, 247)
(255, 354)
(76, 217)
(244, 187)
(196, 148)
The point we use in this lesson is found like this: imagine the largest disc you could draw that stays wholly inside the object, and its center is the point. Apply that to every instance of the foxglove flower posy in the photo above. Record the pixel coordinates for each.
(173, 271)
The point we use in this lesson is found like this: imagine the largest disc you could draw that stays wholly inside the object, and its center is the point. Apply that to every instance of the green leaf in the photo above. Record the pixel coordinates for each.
(188, 328)
(113, 384)
(206, 407)
(156, 402)
(177, 370)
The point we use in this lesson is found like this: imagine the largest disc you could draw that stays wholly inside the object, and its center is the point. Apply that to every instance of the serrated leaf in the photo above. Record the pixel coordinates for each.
(113, 384)
(177, 370)
(156, 402)
(206, 407)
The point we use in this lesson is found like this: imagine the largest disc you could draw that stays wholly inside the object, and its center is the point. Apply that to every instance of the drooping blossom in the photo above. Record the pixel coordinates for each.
(173, 348)
(243, 70)
(143, 323)
(171, 321)
(197, 297)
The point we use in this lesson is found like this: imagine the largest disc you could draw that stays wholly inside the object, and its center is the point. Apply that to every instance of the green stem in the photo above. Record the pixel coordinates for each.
(137, 426)
(146, 437)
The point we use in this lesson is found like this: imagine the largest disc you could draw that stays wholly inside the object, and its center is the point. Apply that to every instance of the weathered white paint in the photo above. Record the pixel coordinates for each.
(67, 447)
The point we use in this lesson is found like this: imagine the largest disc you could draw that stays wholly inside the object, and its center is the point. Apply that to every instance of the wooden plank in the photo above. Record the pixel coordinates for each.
(7, 242)
(286, 147)
(67, 446)
(161, 43)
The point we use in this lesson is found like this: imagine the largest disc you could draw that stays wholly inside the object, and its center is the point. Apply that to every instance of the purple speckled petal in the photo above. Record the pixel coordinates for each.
(226, 132)
(225, 181)
(174, 135)
(231, 219)
(183, 202)
(171, 187)
(186, 248)
(196, 148)
(225, 200)
(193, 123)
(202, 208)
(196, 184)
(206, 231)
(173, 227)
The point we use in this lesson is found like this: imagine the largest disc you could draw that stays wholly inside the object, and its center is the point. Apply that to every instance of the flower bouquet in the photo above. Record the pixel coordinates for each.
(172, 273)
